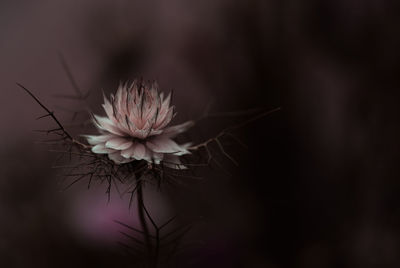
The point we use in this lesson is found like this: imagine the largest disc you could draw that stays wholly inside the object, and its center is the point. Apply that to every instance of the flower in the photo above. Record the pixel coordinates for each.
(135, 127)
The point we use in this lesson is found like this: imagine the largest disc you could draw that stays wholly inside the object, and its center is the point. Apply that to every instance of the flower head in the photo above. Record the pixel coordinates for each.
(135, 127)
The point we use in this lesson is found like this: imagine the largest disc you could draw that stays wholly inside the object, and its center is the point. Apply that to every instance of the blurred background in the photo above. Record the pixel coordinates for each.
(319, 183)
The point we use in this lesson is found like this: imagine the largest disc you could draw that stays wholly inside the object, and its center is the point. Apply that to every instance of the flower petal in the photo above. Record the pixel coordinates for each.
(129, 152)
(138, 111)
(139, 151)
(119, 143)
(161, 144)
(106, 124)
(96, 139)
(108, 107)
(140, 133)
(118, 158)
(101, 149)
(155, 157)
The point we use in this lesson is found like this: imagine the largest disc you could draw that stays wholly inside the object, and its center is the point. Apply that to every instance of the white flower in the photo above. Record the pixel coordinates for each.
(135, 127)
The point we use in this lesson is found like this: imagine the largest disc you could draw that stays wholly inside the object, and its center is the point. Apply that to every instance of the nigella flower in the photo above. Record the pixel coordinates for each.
(135, 127)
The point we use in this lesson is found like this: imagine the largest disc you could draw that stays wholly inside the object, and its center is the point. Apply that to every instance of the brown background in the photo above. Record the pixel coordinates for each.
(319, 184)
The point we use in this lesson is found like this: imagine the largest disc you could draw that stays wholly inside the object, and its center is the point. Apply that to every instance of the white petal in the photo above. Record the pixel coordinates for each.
(140, 133)
(119, 143)
(129, 152)
(160, 144)
(125, 145)
(106, 124)
(108, 107)
(139, 151)
(94, 140)
(118, 158)
(184, 149)
(154, 157)
(101, 149)
(164, 118)
(167, 101)
(148, 156)
(155, 132)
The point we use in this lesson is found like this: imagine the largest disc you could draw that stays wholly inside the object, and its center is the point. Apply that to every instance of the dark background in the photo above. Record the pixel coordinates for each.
(318, 185)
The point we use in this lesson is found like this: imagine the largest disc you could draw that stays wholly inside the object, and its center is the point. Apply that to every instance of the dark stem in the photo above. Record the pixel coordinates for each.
(142, 217)
(157, 249)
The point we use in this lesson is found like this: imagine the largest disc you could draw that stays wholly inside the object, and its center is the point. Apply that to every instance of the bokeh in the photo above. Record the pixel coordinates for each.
(318, 185)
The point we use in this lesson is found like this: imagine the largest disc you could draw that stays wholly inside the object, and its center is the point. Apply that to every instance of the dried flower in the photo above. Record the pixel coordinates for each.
(135, 127)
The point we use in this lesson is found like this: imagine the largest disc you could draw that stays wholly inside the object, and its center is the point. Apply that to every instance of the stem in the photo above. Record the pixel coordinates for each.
(157, 248)
(142, 217)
